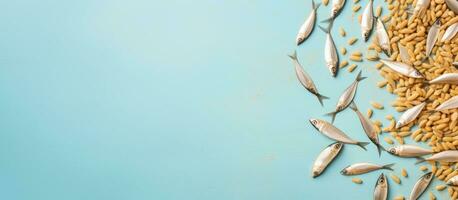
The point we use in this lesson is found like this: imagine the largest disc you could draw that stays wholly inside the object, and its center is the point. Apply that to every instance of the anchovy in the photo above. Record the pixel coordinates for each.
(403, 53)
(449, 78)
(381, 188)
(334, 133)
(402, 68)
(420, 9)
(347, 97)
(305, 79)
(453, 5)
(326, 157)
(410, 115)
(368, 127)
(421, 185)
(382, 36)
(362, 168)
(453, 181)
(449, 104)
(444, 156)
(330, 51)
(409, 151)
(450, 32)
(432, 37)
(337, 6)
(308, 25)
(367, 21)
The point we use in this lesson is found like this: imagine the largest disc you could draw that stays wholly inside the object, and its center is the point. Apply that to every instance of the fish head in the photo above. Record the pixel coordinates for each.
(393, 151)
(381, 181)
(315, 174)
(344, 171)
(314, 122)
(300, 40)
(417, 74)
(427, 177)
(366, 35)
(333, 70)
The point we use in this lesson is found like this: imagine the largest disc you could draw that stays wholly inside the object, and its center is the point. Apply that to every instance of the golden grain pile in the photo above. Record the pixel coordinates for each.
(438, 129)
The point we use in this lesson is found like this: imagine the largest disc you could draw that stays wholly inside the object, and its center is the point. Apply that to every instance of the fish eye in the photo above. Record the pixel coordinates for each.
(337, 146)
(392, 150)
(382, 180)
(314, 122)
(428, 176)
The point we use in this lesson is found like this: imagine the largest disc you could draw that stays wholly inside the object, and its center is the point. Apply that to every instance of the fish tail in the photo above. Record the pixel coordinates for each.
(420, 160)
(333, 115)
(321, 98)
(328, 20)
(379, 149)
(293, 56)
(360, 77)
(362, 145)
(323, 29)
(353, 106)
(388, 166)
(315, 6)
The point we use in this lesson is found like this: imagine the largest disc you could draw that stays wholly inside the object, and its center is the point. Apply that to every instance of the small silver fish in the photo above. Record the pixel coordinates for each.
(330, 51)
(449, 78)
(334, 133)
(362, 168)
(326, 157)
(420, 9)
(403, 53)
(444, 156)
(453, 5)
(347, 97)
(305, 79)
(381, 188)
(450, 32)
(453, 181)
(431, 39)
(337, 6)
(449, 104)
(410, 115)
(421, 185)
(368, 127)
(402, 68)
(382, 36)
(367, 21)
(409, 151)
(308, 25)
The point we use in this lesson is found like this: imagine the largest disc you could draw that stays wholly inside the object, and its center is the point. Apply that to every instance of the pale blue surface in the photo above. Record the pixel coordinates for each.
(173, 100)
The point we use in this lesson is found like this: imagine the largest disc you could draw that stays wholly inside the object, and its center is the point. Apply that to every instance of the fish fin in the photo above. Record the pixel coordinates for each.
(363, 145)
(360, 77)
(321, 98)
(315, 6)
(293, 56)
(328, 20)
(333, 115)
(353, 106)
(388, 166)
(419, 160)
(323, 29)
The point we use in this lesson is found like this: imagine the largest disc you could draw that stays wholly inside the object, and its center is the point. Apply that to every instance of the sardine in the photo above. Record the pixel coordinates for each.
(337, 6)
(404, 54)
(308, 25)
(449, 78)
(453, 5)
(431, 39)
(410, 115)
(305, 79)
(330, 51)
(444, 156)
(453, 181)
(382, 36)
(449, 104)
(450, 32)
(381, 188)
(334, 133)
(409, 151)
(402, 68)
(347, 97)
(325, 158)
(362, 168)
(421, 185)
(367, 21)
(368, 127)
(420, 9)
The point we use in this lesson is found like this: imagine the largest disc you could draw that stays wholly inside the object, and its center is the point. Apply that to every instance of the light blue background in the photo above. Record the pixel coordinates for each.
(116, 99)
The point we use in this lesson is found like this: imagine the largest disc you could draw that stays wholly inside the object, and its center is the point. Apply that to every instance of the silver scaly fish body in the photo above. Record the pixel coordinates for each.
(449, 104)
(410, 115)
(367, 21)
(453, 5)
(444, 156)
(330, 55)
(402, 68)
(382, 36)
(431, 39)
(334, 133)
(362, 168)
(307, 26)
(381, 188)
(450, 32)
(421, 185)
(403, 53)
(368, 127)
(325, 158)
(409, 151)
(453, 181)
(449, 78)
